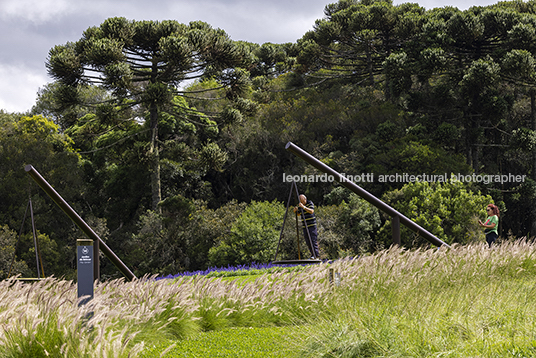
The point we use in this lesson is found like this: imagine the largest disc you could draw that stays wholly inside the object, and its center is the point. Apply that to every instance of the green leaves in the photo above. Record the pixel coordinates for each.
(118, 77)
(177, 51)
(158, 93)
(482, 73)
(122, 53)
(64, 64)
(522, 35)
(118, 28)
(465, 28)
(213, 157)
(253, 236)
(397, 70)
(355, 39)
(519, 64)
(448, 210)
(231, 115)
(100, 52)
(523, 138)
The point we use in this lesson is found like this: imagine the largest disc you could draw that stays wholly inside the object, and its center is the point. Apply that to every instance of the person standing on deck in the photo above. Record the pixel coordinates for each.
(309, 224)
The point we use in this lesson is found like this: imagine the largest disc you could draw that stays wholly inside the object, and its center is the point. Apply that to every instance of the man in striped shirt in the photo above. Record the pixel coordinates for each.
(307, 208)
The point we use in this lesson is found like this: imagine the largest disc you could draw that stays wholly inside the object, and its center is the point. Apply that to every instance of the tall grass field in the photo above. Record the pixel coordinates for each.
(467, 301)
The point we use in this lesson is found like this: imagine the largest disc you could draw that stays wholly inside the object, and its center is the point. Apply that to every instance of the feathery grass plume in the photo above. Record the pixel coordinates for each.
(466, 301)
(43, 319)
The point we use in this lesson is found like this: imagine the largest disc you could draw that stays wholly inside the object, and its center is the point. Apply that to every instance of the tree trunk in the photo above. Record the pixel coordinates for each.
(468, 140)
(471, 141)
(532, 92)
(154, 158)
(154, 148)
(533, 122)
(476, 158)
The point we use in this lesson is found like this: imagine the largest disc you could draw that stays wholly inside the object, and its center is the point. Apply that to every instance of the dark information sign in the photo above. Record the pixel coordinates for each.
(85, 270)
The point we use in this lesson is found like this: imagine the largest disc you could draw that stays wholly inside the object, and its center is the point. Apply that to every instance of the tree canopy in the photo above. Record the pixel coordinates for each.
(142, 65)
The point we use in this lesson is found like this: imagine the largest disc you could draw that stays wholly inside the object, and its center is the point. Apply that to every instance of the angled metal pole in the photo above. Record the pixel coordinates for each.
(395, 227)
(298, 235)
(18, 240)
(78, 221)
(283, 226)
(36, 244)
(291, 147)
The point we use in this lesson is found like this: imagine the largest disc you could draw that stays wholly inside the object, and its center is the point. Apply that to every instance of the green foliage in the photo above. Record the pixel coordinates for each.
(213, 157)
(449, 210)
(180, 238)
(56, 102)
(48, 251)
(377, 88)
(360, 221)
(355, 40)
(121, 56)
(253, 237)
(209, 227)
(523, 138)
(331, 235)
(349, 228)
(8, 262)
(35, 140)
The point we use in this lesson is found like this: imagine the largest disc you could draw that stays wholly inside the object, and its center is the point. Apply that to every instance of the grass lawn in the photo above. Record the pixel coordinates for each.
(250, 342)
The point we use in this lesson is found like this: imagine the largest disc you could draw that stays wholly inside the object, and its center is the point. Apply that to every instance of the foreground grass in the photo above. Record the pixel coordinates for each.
(125, 318)
(463, 302)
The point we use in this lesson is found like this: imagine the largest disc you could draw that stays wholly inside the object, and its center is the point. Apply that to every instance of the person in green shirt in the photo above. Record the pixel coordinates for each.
(492, 224)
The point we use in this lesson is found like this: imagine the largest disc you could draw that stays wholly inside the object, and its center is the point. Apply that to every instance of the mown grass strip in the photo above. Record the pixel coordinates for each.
(250, 342)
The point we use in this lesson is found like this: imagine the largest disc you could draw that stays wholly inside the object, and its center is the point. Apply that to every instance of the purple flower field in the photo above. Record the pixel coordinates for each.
(244, 269)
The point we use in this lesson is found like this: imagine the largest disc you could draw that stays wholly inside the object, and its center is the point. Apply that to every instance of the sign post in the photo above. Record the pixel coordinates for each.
(85, 262)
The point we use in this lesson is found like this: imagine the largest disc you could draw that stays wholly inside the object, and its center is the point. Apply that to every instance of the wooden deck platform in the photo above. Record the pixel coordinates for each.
(294, 262)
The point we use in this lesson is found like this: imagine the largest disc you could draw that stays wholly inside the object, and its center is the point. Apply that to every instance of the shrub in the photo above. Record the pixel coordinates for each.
(180, 239)
(8, 239)
(360, 221)
(348, 228)
(253, 237)
(450, 211)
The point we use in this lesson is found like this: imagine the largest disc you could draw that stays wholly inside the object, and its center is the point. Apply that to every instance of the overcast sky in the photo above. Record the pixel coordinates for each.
(30, 28)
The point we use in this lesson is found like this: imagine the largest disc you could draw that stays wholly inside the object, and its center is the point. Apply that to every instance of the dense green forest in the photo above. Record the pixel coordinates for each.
(169, 138)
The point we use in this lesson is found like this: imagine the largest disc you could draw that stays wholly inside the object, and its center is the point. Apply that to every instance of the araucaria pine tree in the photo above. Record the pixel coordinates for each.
(142, 65)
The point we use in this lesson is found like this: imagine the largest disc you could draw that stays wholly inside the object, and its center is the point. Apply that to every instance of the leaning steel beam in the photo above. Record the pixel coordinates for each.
(364, 194)
(78, 221)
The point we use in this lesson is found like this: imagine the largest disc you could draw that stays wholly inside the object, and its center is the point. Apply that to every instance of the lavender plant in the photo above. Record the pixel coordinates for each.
(237, 270)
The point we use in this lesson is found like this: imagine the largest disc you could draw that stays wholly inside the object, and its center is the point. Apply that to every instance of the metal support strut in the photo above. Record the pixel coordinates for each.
(347, 183)
(78, 221)
(294, 188)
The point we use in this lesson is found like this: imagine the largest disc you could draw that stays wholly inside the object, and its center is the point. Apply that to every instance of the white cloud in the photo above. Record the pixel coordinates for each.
(36, 11)
(19, 87)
